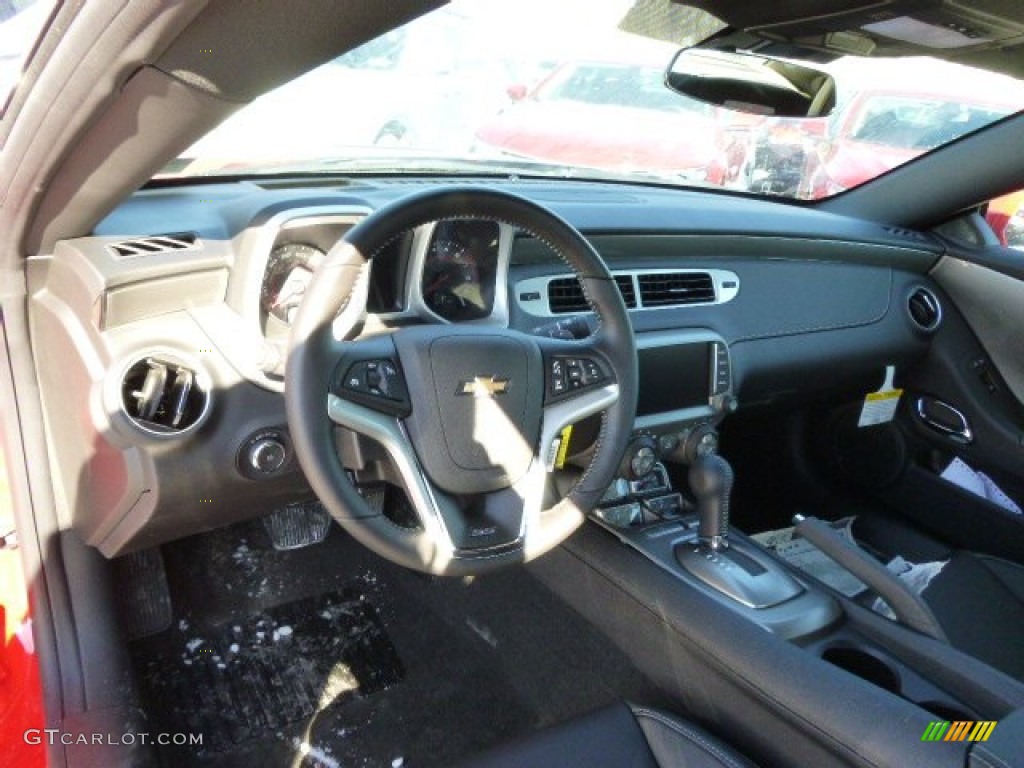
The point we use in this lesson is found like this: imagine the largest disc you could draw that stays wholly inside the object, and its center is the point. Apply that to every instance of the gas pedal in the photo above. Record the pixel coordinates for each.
(297, 525)
(143, 596)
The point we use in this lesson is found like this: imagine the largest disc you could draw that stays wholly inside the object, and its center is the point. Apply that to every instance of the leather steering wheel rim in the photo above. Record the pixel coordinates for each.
(311, 387)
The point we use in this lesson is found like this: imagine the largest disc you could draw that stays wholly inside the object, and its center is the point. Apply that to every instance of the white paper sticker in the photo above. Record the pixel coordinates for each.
(880, 407)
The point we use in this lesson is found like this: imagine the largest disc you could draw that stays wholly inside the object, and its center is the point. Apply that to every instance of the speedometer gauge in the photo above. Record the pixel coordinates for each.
(460, 268)
(289, 270)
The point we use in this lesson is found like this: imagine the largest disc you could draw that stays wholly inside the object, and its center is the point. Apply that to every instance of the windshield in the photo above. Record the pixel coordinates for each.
(573, 88)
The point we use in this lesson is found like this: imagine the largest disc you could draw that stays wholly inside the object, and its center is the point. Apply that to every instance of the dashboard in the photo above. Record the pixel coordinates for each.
(168, 326)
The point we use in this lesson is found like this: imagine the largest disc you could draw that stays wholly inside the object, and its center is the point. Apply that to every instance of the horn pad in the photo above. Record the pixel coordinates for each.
(476, 412)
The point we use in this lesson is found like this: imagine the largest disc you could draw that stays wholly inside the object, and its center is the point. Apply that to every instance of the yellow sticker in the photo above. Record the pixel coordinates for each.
(880, 407)
(563, 447)
(877, 396)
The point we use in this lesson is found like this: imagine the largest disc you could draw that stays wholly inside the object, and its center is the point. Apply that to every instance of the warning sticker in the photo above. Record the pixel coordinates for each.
(880, 407)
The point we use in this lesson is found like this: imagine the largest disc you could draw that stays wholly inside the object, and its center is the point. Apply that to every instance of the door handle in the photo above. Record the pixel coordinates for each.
(944, 419)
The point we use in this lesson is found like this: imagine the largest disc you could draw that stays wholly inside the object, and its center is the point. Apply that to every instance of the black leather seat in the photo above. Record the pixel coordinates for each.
(620, 736)
(978, 599)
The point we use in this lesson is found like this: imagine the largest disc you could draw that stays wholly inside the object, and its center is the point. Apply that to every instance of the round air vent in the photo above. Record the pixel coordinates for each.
(925, 309)
(164, 395)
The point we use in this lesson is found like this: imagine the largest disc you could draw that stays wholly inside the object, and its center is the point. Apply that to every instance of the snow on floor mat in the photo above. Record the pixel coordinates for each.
(250, 678)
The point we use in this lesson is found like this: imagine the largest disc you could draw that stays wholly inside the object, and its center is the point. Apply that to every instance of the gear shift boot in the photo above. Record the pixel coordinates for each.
(739, 571)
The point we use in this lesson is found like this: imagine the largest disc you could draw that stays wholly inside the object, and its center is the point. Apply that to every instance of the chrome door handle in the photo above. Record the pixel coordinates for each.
(944, 419)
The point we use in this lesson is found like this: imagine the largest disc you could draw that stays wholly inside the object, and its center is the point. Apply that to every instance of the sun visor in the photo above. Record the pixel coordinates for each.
(238, 53)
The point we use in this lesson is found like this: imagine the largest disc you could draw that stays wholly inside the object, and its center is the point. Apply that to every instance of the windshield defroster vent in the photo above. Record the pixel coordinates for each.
(665, 289)
(163, 396)
(925, 309)
(127, 249)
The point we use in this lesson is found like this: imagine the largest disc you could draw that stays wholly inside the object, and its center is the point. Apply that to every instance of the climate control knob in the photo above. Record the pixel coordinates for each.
(702, 441)
(267, 455)
(641, 457)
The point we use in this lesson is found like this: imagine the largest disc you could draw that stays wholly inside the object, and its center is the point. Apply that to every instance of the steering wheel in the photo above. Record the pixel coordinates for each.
(470, 416)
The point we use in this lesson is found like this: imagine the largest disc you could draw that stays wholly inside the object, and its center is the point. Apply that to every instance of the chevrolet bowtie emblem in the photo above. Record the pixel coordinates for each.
(483, 386)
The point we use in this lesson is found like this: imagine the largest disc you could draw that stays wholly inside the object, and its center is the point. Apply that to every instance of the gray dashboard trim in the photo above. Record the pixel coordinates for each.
(268, 233)
(726, 283)
(682, 416)
(414, 301)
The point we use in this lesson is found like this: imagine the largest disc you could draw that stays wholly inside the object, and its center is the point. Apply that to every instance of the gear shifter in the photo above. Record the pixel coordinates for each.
(711, 482)
(741, 572)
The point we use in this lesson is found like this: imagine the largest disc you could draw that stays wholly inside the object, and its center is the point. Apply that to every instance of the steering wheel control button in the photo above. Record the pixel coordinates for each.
(377, 384)
(569, 374)
(558, 383)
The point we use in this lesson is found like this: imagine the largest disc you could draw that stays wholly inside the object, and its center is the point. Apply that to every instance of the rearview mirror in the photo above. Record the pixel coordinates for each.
(750, 83)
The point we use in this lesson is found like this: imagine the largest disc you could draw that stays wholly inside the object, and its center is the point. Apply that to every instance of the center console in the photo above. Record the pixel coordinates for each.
(671, 529)
(712, 617)
(687, 389)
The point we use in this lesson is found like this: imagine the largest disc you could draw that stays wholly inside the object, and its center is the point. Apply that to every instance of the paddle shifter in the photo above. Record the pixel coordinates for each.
(742, 571)
(711, 482)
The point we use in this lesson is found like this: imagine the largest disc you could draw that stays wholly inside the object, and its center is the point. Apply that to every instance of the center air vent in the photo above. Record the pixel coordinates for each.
(565, 294)
(925, 309)
(163, 395)
(648, 289)
(666, 289)
(126, 249)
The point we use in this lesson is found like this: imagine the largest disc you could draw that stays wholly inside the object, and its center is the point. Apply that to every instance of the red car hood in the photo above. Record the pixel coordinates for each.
(606, 137)
(854, 162)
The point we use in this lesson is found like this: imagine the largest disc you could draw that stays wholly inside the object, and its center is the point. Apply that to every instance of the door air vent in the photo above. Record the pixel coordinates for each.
(668, 289)
(565, 294)
(163, 395)
(142, 246)
(925, 309)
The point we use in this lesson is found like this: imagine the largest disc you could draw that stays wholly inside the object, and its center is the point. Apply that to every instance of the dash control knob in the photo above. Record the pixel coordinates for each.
(641, 457)
(267, 455)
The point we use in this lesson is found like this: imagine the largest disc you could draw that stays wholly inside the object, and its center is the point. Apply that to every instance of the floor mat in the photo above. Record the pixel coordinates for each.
(483, 660)
(265, 671)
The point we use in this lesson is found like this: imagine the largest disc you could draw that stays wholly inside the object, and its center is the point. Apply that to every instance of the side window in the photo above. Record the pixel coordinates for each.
(1006, 217)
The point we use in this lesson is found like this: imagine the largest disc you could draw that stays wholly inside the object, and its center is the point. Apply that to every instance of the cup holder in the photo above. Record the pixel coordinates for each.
(864, 666)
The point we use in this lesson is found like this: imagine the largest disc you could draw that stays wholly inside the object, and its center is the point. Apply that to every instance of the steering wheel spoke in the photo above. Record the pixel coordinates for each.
(432, 506)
